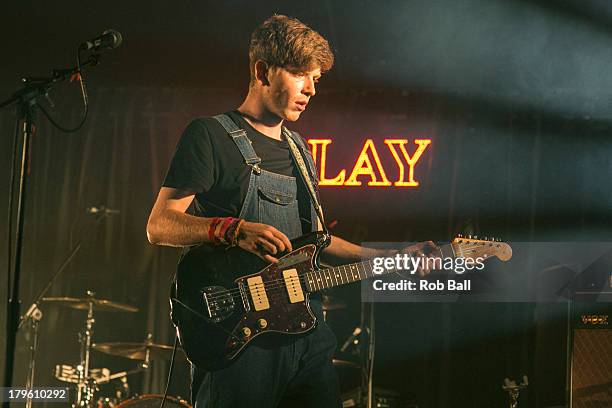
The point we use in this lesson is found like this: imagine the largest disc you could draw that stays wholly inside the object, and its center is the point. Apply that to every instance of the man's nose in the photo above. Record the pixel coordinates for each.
(309, 87)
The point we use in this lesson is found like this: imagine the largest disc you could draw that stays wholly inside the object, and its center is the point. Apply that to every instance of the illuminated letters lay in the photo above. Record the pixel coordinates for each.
(368, 163)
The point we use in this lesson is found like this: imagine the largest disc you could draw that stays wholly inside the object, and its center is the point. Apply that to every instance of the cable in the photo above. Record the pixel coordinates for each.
(85, 102)
(161, 405)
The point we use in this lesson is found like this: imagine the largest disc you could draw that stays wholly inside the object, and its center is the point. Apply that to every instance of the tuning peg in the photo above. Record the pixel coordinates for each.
(475, 236)
(469, 236)
(459, 235)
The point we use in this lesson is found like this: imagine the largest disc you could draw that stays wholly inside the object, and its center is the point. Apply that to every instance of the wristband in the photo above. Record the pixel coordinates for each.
(211, 231)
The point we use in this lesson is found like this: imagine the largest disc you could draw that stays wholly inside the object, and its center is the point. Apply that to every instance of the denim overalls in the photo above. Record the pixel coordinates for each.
(293, 372)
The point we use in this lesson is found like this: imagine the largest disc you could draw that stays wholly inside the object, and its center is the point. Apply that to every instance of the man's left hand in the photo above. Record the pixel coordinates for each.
(427, 249)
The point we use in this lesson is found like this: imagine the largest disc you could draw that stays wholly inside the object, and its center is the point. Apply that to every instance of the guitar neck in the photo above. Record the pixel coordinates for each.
(341, 275)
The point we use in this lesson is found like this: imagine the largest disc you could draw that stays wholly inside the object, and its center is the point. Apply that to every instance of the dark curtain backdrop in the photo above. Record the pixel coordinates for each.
(490, 171)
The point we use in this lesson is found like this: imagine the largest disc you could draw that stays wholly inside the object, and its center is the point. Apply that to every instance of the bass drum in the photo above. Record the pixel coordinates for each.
(153, 401)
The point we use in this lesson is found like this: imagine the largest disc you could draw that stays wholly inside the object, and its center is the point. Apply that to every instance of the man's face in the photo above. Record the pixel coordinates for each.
(289, 91)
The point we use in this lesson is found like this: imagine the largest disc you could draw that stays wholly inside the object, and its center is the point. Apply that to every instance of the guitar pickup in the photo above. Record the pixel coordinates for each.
(294, 288)
(258, 293)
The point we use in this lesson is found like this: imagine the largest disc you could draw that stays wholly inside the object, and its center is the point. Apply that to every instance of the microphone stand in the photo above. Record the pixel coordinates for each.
(26, 100)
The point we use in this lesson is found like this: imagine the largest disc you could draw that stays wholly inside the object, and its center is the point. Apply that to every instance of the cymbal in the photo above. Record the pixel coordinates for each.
(344, 363)
(138, 351)
(102, 305)
(332, 303)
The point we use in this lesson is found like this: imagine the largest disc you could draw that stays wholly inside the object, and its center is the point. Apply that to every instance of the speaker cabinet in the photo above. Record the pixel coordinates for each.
(591, 362)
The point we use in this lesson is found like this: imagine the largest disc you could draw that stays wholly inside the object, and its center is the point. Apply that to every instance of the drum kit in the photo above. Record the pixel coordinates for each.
(87, 380)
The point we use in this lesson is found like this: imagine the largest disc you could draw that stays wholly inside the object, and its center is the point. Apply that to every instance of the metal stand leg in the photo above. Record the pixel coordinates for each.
(35, 317)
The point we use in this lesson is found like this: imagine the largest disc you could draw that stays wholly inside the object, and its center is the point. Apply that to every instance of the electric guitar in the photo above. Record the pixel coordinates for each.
(224, 298)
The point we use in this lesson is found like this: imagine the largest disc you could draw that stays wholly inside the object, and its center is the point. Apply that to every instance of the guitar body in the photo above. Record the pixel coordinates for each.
(225, 298)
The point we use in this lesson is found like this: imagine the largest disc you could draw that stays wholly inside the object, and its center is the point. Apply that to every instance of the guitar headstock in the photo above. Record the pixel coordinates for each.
(472, 247)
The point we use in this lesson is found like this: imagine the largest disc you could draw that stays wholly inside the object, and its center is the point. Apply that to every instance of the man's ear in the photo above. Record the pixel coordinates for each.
(261, 72)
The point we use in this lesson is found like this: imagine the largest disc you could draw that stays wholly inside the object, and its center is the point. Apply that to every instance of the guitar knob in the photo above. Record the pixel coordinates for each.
(246, 332)
(262, 323)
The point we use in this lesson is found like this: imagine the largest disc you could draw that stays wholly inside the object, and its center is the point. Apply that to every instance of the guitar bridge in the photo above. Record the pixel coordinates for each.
(219, 303)
(244, 297)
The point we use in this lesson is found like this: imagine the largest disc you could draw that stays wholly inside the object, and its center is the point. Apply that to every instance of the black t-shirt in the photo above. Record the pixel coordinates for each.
(208, 163)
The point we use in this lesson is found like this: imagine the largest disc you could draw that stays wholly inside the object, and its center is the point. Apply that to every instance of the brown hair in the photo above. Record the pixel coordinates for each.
(286, 42)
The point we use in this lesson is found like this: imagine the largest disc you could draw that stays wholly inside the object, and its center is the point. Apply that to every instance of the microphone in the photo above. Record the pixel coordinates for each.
(352, 338)
(109, 40)
(102, 210)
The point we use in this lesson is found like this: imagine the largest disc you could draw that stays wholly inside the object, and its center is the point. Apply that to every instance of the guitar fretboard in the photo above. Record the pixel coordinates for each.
(342, 275)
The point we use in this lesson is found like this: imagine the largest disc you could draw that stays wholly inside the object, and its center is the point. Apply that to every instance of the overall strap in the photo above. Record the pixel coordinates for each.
(241, 140)
(297, 155)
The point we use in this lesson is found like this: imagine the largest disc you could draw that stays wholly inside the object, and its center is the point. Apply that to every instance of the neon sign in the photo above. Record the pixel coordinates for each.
(368, 163)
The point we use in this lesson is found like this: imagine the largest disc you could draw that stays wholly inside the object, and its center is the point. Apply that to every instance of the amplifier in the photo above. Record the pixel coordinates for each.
(591, 359)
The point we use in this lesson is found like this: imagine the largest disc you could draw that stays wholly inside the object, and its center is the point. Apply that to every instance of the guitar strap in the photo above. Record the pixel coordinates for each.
(297, 155)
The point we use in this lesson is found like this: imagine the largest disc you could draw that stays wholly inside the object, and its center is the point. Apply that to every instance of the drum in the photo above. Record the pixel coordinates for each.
(153, 401)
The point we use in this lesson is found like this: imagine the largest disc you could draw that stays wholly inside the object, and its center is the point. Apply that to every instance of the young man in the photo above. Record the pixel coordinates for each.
(253, 178)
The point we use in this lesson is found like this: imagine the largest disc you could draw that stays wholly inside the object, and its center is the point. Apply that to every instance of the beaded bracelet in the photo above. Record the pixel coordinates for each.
(235, 235)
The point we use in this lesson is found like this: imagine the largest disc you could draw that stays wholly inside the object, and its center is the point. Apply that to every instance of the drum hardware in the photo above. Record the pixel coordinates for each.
(345, 363)
(85, 379)
(86, 386)
(70, 374)
(33, 316)
(514, 389)
(331, 303)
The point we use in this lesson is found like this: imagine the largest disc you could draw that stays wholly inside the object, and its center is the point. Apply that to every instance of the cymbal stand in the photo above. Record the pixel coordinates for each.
(86, 386)
(34, 316)
(513, 389)
(147, 360)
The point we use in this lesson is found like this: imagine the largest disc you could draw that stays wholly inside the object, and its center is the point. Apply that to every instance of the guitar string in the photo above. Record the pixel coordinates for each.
(272, 284)
(281, 283)
(270, 294)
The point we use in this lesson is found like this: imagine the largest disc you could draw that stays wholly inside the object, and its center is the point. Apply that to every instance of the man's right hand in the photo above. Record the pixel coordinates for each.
(263, 240)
